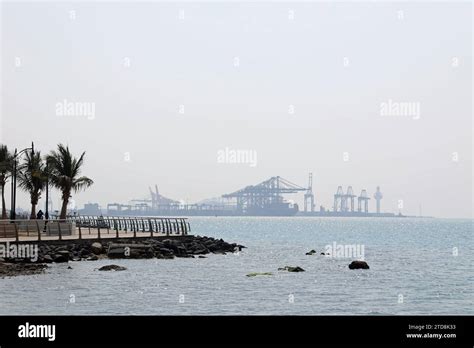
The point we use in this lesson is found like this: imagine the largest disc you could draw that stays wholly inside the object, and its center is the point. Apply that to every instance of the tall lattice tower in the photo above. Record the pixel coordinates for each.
(309, 196)
(378, 197)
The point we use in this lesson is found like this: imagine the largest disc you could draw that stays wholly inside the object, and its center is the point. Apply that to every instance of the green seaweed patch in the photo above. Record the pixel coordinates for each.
(254, 274)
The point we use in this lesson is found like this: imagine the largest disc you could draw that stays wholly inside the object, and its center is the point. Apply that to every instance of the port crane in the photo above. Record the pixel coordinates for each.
(265, 197)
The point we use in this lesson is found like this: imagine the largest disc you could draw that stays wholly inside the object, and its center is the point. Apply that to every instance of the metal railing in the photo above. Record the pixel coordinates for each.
(150, 225)
(79, 227)
(38, 229)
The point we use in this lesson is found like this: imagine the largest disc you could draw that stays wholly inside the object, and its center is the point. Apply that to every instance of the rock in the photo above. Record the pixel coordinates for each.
(117, 253)
(92, 258)
(200, 252)
(58, 258)
(166, 251)
(112, 268)
(47, 259)
(359, 265)
(311, 252)
(96, 248)
(201, 257)
(220, 252)
(132, 251)
(259, 274)
(323, 254)
(69, 267)
(182, 250)
(291, 269)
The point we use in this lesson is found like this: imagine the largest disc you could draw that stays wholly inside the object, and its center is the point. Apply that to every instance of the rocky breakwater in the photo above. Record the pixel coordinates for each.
(169, 248)
(139, 248)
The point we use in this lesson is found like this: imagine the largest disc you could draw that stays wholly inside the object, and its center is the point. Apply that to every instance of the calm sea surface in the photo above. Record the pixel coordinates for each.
(417, 266)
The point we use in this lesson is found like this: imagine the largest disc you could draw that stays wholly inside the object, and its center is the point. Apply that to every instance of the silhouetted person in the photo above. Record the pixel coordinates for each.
(40, 214)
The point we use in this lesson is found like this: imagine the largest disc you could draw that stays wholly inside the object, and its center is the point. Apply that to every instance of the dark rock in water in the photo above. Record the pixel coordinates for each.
(69, 267)
(311, 252)
(112, 268)
(92, 258)
(201, 257)
(58, 258)
(323, 253)
(96, 248)
(291, 269)
(359, 265)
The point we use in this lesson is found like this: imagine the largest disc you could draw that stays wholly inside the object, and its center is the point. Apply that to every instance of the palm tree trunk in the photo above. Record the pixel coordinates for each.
(64, 209)
(4, 209)
(33, 211)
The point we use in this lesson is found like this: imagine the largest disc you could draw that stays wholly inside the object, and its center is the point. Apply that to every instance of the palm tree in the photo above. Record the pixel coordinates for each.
(32, 178)
(5, 171)
(64, 170)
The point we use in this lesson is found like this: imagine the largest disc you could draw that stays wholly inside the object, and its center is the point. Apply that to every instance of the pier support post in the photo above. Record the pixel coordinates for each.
(17, 236)
(135, 229)
(38, 228)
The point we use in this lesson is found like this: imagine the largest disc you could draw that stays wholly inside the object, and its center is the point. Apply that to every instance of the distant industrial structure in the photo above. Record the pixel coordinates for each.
(309, 196)
(378, 196)
(344, 204)
(264, 199)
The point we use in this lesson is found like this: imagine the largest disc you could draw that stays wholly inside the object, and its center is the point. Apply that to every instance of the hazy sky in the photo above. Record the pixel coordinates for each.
(299, 85)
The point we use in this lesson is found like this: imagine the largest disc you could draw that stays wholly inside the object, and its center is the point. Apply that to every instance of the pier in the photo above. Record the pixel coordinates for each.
(92, 227)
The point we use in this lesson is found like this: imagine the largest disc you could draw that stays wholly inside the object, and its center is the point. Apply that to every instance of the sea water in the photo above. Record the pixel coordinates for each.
(417, 266)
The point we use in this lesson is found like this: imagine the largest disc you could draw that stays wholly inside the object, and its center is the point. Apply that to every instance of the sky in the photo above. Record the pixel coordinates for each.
(365, 94)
